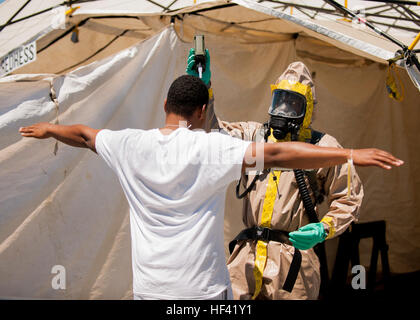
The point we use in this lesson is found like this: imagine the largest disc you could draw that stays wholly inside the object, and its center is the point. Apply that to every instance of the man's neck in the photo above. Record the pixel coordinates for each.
(173, 122)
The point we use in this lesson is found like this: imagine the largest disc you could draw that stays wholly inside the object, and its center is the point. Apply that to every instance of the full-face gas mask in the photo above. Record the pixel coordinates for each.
(287, 112)
(291, 105)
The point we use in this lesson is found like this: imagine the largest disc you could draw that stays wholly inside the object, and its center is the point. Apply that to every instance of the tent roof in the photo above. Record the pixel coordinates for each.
(343, 34)
(106, 22)
(38, 18)
(397, 20)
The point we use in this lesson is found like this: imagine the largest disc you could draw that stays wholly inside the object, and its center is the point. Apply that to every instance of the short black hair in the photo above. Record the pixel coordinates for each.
(186, 94)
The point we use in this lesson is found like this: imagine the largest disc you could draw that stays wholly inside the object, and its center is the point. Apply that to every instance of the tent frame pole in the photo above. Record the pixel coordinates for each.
(16, 13)
(409, 3)
(367, 23)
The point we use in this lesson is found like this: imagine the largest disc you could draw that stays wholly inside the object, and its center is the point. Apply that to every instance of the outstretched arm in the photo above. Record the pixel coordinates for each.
(306, 156)
(77, 135)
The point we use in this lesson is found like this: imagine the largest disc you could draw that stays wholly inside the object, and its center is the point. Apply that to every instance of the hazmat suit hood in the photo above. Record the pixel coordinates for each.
(297, 78)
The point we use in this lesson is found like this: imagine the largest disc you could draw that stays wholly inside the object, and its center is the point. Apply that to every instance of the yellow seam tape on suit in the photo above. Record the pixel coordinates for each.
(305, 134)
(268, 206)
(329, 221)
(349, 176)
(260, 260)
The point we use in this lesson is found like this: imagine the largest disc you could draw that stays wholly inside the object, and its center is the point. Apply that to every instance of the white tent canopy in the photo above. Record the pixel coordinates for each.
(109, 26)
(62, 206)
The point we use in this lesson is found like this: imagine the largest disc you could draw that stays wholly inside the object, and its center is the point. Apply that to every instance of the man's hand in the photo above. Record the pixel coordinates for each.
(374, 157)
(76, 135)
(191, 63)
(38, 130)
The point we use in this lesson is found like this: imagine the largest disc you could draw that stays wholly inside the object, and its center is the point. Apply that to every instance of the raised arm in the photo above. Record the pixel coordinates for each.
(307, 156)
(77, 135)
(211, 118)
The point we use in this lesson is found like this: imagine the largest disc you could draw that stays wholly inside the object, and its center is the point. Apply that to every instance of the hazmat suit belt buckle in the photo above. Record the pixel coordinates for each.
(262, 233)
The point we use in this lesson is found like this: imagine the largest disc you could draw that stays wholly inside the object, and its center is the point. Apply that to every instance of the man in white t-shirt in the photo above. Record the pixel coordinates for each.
(175, 179)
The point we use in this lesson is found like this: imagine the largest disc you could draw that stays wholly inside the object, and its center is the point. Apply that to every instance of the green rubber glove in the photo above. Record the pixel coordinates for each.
(190, 66)
(308, 236)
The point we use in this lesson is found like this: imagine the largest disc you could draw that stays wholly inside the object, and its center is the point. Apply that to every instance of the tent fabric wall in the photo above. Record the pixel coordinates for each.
(68, 209)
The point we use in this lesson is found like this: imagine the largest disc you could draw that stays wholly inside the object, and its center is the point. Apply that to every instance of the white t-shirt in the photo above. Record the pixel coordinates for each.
(175, 185)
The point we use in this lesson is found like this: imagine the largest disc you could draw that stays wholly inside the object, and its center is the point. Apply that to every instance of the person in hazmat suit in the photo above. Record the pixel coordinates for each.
(277, 255)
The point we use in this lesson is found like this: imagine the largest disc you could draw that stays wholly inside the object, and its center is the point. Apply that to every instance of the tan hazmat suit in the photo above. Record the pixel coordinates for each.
(288, 213)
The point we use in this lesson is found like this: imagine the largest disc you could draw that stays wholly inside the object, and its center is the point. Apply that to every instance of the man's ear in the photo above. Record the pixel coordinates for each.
(164, 106)
(203, 111)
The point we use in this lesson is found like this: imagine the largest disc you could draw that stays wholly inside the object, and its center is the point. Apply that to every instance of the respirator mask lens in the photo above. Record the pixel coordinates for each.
(287, 104)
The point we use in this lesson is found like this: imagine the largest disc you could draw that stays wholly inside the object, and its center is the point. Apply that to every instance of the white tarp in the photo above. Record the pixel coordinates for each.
(69, 210)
